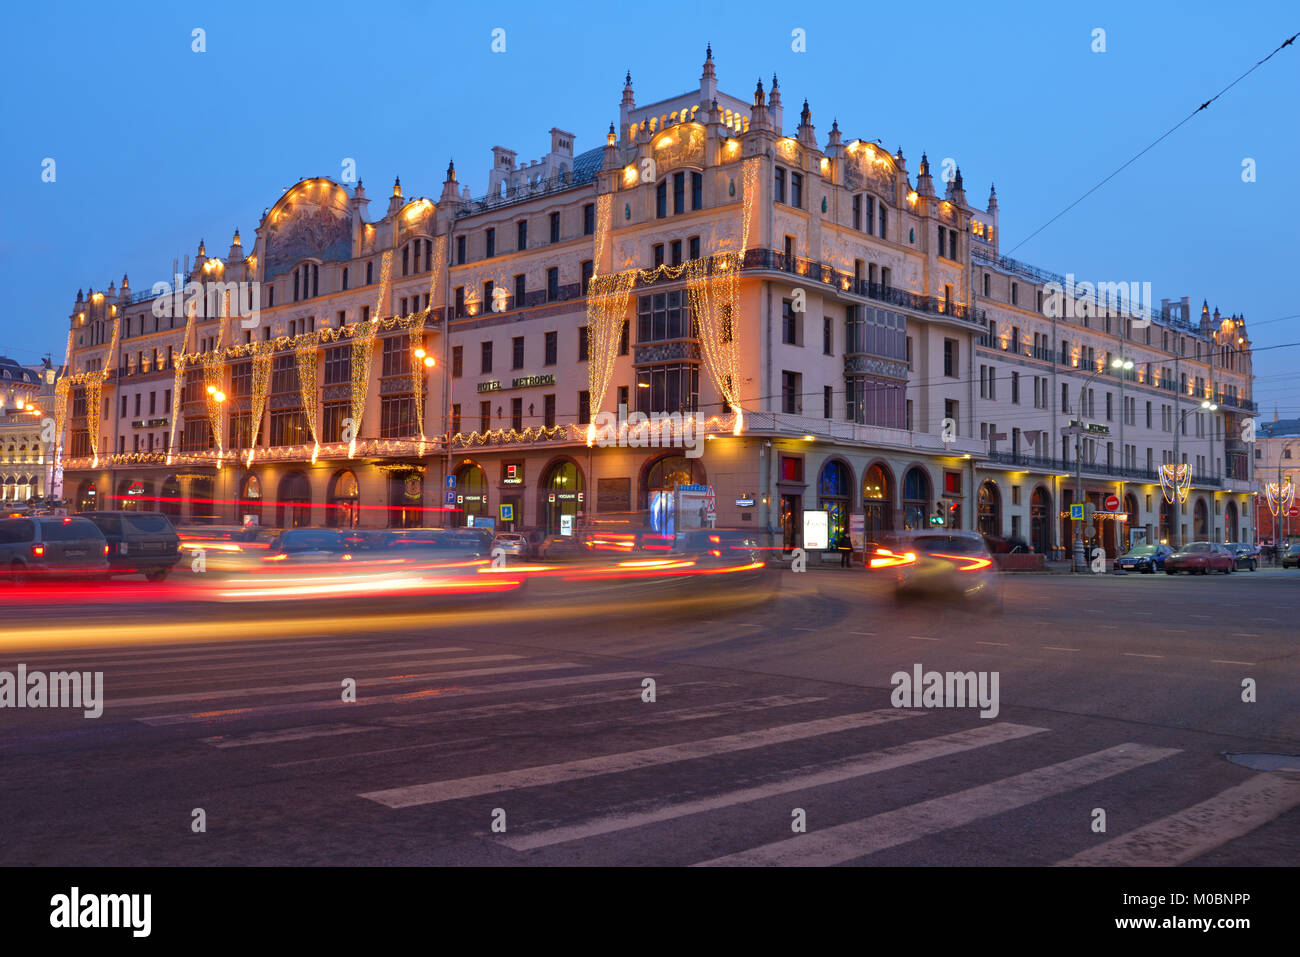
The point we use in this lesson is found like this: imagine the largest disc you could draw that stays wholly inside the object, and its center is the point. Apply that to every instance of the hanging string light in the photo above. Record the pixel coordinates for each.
(179, 379)
(307, 351)
(1280, 497)
(214, 381)
(363, 345)
(94, 387)
(263, 352)
(418, 358)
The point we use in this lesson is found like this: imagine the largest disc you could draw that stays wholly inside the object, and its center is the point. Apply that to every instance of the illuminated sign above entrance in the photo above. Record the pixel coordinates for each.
(522, 382)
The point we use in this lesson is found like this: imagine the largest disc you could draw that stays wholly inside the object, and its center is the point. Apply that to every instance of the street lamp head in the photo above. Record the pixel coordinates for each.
(211, 389)
(219, 396)
(428, 362)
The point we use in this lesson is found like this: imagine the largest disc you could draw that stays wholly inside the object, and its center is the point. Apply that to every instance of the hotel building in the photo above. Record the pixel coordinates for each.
(841, 332)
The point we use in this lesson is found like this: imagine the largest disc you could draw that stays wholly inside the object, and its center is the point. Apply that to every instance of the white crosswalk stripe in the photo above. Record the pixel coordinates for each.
(861, 765)
(845, 842)
(1194, 831)
(438, 791)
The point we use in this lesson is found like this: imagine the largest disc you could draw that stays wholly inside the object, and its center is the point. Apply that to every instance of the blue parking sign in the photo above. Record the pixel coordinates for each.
(451, 498)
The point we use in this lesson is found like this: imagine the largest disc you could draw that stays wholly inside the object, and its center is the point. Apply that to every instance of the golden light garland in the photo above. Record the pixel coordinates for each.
(416, 333)
(363, 345)
(307, 353)
(61, 391)
(1175, 481)
(214, 383)
(94, 386)
(178, 380)
(263, 353)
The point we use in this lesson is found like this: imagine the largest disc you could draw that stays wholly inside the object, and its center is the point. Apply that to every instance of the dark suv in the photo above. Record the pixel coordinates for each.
(139, 543)
(48, 546)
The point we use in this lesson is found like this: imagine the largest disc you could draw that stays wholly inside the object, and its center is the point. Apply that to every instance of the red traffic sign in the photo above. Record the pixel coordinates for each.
(1295, 510)
(1112, 503)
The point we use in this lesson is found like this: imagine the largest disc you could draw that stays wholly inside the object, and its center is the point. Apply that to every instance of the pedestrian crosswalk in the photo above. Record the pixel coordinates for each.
(710, 771)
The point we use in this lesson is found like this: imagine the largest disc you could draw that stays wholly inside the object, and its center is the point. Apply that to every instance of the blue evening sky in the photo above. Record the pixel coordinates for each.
(157, 146)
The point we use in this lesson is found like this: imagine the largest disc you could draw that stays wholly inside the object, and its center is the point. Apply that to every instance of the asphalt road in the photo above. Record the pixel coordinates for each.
(1116, 694)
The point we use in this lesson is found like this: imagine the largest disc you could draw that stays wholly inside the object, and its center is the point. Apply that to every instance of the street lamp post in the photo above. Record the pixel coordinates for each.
(1178, 428)
(1119, 362)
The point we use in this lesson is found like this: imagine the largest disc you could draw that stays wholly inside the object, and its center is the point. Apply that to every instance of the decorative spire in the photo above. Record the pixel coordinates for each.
(759, 98)
(236, 241)
(397, 186)
(627, 84)
(835, 123)
(805, 117)
(708, 52)
(451, 170)
(202, 249)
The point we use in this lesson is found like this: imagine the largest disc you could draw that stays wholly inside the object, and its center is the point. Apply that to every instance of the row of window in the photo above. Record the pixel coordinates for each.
(521, 234)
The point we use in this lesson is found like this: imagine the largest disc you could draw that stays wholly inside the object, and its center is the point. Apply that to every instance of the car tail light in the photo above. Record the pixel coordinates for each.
(884, 558)
(106, 549)
(38, 551)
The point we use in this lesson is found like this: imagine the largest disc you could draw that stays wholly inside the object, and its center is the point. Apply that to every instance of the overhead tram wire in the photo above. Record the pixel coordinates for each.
(1289, 40)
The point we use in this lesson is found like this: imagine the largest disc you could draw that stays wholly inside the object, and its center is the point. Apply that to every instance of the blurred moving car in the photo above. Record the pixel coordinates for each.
(1006, 546)
(308, 545)
(560, 546)
(944, 563)
(438, 544)
(1200, 558)
(1247, 555)
(511, 543)
(139, 543)
(726, 545)
(1291, 556)
(51, 546)
(1147, 559)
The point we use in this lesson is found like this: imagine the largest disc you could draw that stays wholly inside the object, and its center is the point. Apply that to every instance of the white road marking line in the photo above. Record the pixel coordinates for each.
(1134, 654)
(94, 655)
(335, 686)
(1224, 661)
(845, 842)
(869, 634)
(1199, 829)
(1244, 634)
(1056, 648)
(797, 628)
(873, 762)
(437, 791)
(161, 720)
(922, 638)
(286, 734)
(741, 706)
(1000, 644)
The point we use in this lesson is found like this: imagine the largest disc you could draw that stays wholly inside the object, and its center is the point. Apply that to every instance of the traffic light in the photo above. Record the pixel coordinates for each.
(937, 518)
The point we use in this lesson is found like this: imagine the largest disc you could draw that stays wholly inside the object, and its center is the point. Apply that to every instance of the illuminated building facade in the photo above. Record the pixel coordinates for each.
(26, 467)
(810, 311)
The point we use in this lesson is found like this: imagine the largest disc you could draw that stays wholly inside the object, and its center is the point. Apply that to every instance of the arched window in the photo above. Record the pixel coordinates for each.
(1230, 531)
(471, 491)
(343, 507)
(170, 498)
(1201, 528)
(1040, 522)
(293, 501)
(835, 497)
(990, 509)
(877, 502)
(250, 500)
(561, 497)
(662, 478)
(916, 498)
(1169, 524)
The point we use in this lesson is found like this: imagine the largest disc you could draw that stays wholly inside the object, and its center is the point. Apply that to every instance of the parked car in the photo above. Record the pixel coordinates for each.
(511, 543)
(1247, 555)
(1200, 558)
(51, 546)
(143, 543)
(1291, 556)
(1146, 559)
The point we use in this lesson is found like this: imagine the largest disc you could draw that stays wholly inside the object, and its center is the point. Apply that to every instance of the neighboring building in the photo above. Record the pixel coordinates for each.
(1277, 462)
(906, 307)
(26, 462)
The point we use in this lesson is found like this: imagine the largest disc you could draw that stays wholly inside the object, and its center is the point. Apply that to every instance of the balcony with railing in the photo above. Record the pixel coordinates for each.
(1093, 469)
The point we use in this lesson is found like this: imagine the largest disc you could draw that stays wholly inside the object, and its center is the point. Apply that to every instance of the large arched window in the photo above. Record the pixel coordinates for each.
(1230, 531)
(1169, 523)
(877, 502)
(916, 498)
(293, 501)
(170, 498)
(1201, 528)
(659, 488)
(250, 500)
(1040, 520)
(471, 491)
(343, 507)
(561, 497)
(835, 497)
(990, 509)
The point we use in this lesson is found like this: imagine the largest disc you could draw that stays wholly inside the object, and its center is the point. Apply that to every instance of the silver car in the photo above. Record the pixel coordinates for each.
(513, 544)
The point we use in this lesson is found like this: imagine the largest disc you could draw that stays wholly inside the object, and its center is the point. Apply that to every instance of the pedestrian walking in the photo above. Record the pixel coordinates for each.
(846, 551)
